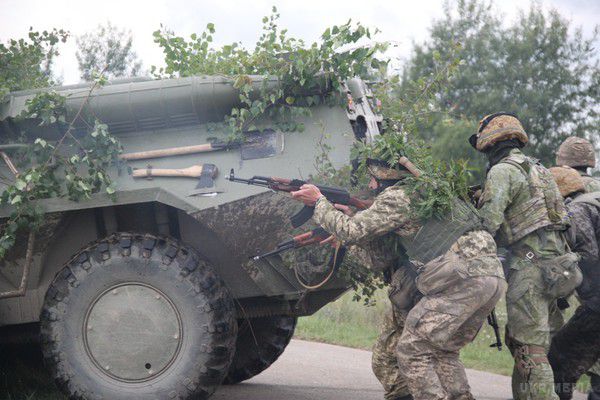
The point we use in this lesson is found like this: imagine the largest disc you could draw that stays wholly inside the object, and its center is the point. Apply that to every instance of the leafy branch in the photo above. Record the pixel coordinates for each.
(293, 76)
(54, 169)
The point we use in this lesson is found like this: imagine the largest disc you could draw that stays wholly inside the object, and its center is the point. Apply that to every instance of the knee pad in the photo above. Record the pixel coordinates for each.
(527, 357)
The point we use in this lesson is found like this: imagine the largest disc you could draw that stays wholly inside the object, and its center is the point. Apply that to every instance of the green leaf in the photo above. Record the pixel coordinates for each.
(20, 184)
(290, 100)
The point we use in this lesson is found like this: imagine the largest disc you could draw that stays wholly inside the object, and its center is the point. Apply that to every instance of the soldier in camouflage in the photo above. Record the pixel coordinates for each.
(578, 153)
(457, 271)
(522, 207)
(576, 347)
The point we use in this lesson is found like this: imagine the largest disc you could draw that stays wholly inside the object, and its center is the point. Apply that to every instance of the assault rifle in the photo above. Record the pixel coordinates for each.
(315, 236)
(493, 322)
(333, 194)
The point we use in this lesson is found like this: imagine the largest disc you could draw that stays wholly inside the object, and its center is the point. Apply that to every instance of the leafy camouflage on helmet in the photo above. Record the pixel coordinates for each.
(568, 180)
(381, 170)
(576, 152)
(499, 127)
(439, 182)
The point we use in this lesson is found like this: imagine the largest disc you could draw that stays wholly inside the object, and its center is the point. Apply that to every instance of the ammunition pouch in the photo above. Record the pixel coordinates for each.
(403, 292)
(561, 274)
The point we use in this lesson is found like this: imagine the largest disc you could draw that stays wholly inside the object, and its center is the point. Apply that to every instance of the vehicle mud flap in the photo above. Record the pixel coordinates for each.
(272, 276)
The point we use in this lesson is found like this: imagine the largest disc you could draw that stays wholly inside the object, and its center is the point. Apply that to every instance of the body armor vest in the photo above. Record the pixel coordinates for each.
(545, 207)
(437, 235)
(588, 198)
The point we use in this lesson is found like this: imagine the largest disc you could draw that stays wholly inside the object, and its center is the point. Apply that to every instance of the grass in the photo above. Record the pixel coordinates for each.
(348, 323)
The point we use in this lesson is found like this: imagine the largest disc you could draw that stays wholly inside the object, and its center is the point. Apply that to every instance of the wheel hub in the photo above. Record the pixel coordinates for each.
(132, 332)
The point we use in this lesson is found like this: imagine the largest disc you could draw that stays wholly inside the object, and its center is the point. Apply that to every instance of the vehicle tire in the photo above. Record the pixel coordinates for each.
(259, 344)
(138, 317)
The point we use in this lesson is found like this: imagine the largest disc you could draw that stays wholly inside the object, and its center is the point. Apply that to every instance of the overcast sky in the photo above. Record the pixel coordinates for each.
(401, 21)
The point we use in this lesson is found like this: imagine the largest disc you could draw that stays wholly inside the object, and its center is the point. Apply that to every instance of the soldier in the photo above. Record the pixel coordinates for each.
(458, 273)
(383, 254)
(522, 207)
(576, 347)
(579, 153)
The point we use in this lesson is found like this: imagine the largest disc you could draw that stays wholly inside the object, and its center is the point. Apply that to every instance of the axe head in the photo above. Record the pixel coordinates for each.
(206, 182)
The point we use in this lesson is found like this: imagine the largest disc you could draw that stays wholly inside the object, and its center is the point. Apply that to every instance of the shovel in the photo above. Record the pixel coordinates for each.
(256, 145)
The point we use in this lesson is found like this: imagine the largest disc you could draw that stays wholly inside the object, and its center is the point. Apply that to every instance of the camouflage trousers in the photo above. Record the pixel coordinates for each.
(385, 362)
(437, 328)
(574, 349)
(533, 318)
(403, 295)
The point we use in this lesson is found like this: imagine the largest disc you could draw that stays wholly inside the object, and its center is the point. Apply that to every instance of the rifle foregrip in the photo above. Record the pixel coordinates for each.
(302, 216)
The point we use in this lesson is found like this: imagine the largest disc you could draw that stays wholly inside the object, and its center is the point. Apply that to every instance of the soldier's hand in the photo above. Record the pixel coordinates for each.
(308, 194)
(345, 209)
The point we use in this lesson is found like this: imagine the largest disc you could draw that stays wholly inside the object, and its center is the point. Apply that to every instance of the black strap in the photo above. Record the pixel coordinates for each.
(489, 119)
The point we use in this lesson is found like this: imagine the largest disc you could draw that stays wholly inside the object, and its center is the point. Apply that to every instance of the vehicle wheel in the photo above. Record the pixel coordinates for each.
(259, 344)
(138, 317)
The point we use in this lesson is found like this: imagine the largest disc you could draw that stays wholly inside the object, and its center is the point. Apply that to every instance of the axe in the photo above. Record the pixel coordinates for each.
(206, 173)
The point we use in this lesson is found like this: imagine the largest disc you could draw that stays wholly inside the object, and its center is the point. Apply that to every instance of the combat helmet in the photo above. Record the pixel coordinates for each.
(568, 180)
(498, 127)
(576, 152)
(384, 171)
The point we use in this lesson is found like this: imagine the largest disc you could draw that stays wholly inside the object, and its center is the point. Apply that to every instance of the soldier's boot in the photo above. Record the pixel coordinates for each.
(407, 397)
(595, 389)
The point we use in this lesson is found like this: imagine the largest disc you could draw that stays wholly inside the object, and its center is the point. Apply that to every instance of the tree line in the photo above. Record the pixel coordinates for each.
(539, 66)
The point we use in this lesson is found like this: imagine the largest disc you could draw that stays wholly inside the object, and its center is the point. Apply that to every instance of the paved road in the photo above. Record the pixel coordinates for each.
(316, 371)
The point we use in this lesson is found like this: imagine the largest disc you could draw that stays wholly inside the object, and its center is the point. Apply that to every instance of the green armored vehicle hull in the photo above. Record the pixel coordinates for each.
(150, 294)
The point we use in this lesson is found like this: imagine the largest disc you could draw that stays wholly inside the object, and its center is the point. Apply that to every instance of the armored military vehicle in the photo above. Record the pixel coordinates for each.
(151, 294)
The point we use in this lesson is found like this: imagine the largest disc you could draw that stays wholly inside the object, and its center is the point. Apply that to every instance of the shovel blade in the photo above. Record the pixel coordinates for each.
(262, 144)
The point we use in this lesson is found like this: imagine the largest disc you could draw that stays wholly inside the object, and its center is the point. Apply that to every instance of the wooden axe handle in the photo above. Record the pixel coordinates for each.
(192, 172)
(173, 151)
(405, 162)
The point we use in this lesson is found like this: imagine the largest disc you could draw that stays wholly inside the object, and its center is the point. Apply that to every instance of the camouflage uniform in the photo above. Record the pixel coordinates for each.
(518, 213)
(576, 347)
(442, 323)
(592, 185)
(384, 362)
(579, 153)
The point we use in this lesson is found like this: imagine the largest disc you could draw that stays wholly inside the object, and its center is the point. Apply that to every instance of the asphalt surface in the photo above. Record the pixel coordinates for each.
(316, 371)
